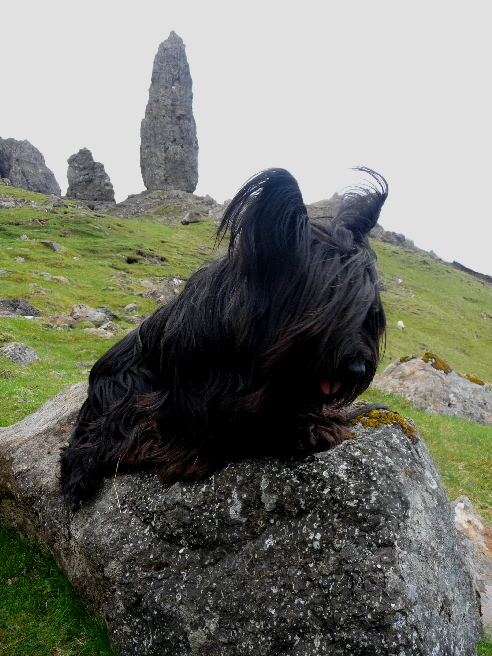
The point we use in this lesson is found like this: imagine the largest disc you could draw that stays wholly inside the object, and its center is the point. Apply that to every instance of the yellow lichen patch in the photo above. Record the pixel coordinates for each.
(407, 358)
(471, 378)
(436, 362)
(376, 418)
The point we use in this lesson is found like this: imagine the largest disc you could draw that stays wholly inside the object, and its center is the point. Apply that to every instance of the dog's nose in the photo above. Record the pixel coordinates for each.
(357, 369)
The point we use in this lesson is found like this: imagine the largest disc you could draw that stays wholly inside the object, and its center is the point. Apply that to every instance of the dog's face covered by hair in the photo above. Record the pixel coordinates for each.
(256, 357)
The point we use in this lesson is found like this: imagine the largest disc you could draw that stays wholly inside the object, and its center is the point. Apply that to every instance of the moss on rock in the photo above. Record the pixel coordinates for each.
(435, 361)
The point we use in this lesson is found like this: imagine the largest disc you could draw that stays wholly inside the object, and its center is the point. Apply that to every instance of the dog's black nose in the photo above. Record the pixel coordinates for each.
(357, 369)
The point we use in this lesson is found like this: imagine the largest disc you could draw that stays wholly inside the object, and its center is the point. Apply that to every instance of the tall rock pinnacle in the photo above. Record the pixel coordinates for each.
(169, 146)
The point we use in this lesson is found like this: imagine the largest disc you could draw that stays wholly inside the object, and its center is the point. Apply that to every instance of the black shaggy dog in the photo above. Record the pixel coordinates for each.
(257, 356)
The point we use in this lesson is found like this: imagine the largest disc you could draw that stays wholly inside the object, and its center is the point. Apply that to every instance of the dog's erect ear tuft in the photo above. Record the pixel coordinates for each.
(267, 220)
(362, 205)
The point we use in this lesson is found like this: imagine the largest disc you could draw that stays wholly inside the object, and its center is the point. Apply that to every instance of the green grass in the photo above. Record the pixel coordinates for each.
(40, 613)
(445, 311)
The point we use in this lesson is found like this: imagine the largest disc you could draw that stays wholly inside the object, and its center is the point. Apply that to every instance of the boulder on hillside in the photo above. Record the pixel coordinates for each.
(169, 145)
(25, 167)
(164, 291)
(430, 384)
(96, 316)
(18, 306)
(476, 536)
(19, 353)
(349, 552)
(87, 179)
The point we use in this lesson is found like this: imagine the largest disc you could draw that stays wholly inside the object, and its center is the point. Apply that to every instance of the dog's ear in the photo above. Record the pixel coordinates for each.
(268, 223)
(361, 206)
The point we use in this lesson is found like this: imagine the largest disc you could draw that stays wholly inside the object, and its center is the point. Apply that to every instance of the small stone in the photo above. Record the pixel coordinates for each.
(51, 244)
(86, 313)
(19, 353)
(100, 332)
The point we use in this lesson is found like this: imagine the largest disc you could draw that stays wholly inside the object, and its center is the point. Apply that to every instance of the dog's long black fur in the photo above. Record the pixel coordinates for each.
(257, 356)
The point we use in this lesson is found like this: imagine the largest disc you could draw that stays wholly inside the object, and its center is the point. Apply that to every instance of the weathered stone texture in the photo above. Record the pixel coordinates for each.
(326, 209)
(25, 167)
(169, 145)
(19, 353)
(19, 306)
(350, 552)
(436, 391)
(87, 179)
(476, 536)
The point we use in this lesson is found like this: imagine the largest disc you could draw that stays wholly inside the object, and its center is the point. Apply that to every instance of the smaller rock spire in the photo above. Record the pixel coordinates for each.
(87, 179)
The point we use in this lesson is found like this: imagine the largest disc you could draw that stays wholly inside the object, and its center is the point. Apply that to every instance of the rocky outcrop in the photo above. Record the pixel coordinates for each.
(169, 145)
(481, 276)
(395, 238)
(325, 209)
(25, 167)
(87, 179)
(349, 552)
(430, 384)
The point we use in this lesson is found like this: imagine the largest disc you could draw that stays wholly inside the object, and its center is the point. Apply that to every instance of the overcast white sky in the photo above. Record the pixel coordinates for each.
(313, 86)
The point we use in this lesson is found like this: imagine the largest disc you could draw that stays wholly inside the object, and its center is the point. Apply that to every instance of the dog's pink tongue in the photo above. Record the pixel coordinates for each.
(327, 387)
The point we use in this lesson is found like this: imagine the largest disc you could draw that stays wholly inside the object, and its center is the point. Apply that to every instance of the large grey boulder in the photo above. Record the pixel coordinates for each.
(350, 552)
(430, 384)
(169, 145)
(25, 167)
(87, 179)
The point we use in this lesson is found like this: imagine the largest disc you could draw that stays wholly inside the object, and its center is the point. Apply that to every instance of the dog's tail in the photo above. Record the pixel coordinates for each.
(268, 225)
(361, 205)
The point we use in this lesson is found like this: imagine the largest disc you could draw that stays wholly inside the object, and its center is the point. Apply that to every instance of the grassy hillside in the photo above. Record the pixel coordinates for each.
(104, 259)
(444, 310)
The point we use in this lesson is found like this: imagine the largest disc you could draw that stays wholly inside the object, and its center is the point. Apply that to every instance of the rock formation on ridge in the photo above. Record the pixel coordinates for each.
(87, 179)
(169, 146)
(348, 552)
(25, 167)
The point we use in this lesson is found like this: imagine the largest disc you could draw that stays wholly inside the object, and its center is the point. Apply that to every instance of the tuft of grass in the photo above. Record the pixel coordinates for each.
(40, 613)
(485, 648)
